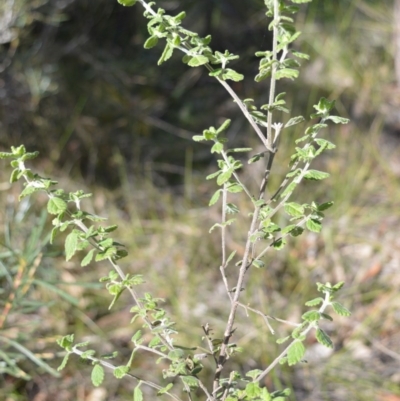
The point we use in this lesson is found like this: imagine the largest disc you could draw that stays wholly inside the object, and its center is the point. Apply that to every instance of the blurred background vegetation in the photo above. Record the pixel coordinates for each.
(77, 85)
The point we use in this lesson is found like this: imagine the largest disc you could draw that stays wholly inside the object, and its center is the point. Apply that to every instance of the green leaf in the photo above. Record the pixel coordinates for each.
(108, 253)
(231, 208)
(314, 225)
(324, 143)
(300, 1)
(294, 209)
(176, 354)
(224, 126)
(324, 105)
(197, 61)
(190, 381)
(14, 176)
(338, 120)
(235, 188)
(64, 362)
(294, 121)
(97, 375)
(340, 309)
(127, 3)
(315, 175)
(165, 389)
(232, 75)
(66, 342)
(295, 353)
(314, 302)
(198, 138)
(27, 191)
(137, 393)
(326, 316)
(56, 205)
(121, 371)
(301, 55)
(215, 197)
(279, 244)
(88, 258)
(263, 74)
(289, 189)
(154, 342)
(252, 390)
(338, 286)
(230, 257)
(323, 338)
(258, 263)
(282, 340)
(213, 175)
(286, 73)
(5, 155)
(324, 206)
(71, 244)
(224, 177)
(311, 316)
(217, 147)
(166, 54)
(151, 42)
(296, 231)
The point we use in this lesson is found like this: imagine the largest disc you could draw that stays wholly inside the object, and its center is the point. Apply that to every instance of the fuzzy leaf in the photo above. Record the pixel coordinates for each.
(108, 253)
(294, 121)
(127, 3)
(338, 120)
(167, 53)
(56, 205)
(258, 263)
(289, 189)
(71, 244)
(314, 225)
(235, 188)
(311, 316)
(324, 143)
(88, 258)
(282, 340)
(121, 371)
(217, 147)
(64, 362)
(198, 138)
(295, 353)
(137, 393)
(97, 375)
(340, 309)
(315, 175)
(165, 389)
(224, 126)
(279, 244)
(323, 338)
(294, 209)
(252, 391)
(27, 191)
(286, 73)
(214, 198)
(224, 177)
(151, 42)
(324, 206)
(190, 381)
(232, 75)
(197, 61)
(314, 302)
(230, 257)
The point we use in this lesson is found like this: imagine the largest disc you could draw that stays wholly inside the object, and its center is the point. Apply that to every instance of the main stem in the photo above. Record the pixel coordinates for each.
(268, 143)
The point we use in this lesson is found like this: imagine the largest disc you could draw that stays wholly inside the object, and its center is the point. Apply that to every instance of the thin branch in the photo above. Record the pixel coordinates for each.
(113, 367)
